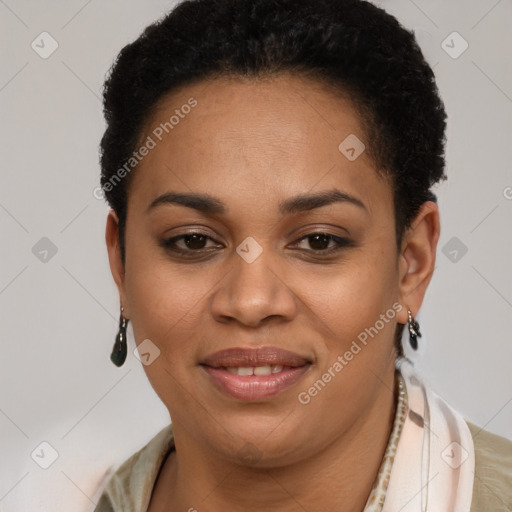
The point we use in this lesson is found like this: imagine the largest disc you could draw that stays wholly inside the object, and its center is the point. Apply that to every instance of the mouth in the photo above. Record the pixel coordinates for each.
(255, 374)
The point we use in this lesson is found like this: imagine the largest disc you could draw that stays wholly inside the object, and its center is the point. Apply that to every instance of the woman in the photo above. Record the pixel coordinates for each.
(272, 231)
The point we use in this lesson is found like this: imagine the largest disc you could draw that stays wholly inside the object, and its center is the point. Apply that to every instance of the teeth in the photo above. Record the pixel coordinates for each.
(262, 370)
(258, 370)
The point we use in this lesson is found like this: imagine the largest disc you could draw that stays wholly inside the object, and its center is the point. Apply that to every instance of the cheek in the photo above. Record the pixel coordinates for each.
(167, 302)
(165, 305)
(357, 307)
(354, 294)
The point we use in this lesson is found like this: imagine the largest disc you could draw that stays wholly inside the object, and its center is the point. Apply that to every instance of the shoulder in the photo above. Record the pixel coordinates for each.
(492, 488)
(129, 488)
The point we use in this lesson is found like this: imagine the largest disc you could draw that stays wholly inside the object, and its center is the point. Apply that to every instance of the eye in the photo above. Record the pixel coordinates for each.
(324, 243)
(197, 243)
(189, 243)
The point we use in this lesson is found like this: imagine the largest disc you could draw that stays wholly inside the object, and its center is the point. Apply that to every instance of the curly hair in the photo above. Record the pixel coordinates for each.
(351, 45)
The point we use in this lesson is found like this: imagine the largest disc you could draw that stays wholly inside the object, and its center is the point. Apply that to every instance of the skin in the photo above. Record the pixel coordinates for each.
(253, 144)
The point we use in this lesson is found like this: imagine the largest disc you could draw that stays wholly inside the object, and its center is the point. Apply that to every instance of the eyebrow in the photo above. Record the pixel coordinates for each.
(301, 203)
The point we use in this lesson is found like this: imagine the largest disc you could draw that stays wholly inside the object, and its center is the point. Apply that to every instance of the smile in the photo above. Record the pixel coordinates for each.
(254, 374)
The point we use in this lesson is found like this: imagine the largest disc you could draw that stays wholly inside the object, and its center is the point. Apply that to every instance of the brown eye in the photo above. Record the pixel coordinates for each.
(195, 241)
(321, 242)
(189, 243)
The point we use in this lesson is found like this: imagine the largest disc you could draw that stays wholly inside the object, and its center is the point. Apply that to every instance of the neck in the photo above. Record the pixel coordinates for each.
(340, 477)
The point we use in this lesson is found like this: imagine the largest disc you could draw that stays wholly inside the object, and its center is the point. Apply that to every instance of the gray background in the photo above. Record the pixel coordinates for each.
(59, 311)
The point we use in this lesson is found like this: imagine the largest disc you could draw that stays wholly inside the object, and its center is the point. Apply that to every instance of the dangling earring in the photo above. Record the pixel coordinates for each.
(414, 331)
(118, 356)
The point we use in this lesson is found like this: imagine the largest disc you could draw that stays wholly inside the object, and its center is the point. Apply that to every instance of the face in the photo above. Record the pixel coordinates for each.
(286, 262)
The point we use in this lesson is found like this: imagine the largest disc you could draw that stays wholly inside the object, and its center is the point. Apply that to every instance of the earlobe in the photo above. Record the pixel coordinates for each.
(114, 252)
(417, 258)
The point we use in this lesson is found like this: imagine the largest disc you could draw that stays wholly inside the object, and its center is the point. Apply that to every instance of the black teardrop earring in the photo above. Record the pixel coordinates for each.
(118, 356)
(414, 331)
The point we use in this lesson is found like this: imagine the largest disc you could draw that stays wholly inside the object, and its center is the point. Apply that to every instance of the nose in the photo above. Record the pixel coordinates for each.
(252, 293)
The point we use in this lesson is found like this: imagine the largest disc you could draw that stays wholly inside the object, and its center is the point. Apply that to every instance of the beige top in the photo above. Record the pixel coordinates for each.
(130, 487)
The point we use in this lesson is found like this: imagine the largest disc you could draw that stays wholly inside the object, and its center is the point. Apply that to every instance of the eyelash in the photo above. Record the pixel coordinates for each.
(170, 244)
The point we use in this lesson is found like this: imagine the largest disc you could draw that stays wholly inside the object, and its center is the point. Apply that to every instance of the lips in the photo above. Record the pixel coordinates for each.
(254, 374)
(261, 356)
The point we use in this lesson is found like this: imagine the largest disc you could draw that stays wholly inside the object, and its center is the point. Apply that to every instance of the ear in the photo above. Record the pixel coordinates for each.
(417, 259)
(114, 256)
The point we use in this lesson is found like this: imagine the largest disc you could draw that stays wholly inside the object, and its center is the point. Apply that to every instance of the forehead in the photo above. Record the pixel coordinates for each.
(270, 137)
